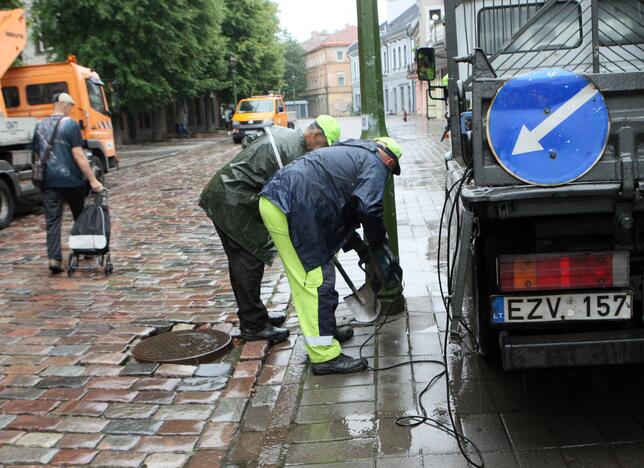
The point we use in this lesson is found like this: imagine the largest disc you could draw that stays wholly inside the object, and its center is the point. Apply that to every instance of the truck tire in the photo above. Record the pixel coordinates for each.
(6, 205)
(487, 336)
(237, 139)
(98, 167)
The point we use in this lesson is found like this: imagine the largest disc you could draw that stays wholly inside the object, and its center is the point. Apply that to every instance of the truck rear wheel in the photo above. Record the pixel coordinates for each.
(6, 205)
(98, 166)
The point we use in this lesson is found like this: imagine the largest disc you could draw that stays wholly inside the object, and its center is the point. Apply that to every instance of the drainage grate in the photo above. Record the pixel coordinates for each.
(183, 347)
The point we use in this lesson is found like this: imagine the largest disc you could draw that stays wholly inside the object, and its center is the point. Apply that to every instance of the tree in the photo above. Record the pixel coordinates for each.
(154, 49)
(295, 69)
(252, 27)
(10, 4)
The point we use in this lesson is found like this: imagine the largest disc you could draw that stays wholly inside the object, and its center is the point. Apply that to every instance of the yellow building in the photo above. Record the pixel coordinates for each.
(328, 77)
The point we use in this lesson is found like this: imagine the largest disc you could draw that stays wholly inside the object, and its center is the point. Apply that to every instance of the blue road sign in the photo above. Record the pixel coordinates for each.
(548, 127)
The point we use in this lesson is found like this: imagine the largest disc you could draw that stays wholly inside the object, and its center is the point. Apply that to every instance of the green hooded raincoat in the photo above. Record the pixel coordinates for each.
(231, 197)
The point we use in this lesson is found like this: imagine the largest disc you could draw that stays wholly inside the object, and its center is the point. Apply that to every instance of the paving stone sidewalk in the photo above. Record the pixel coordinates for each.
(296, 418)
(70, 393)
(555, 418)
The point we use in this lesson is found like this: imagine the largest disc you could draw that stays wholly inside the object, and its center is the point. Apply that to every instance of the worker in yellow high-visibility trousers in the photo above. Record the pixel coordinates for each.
(311, 209)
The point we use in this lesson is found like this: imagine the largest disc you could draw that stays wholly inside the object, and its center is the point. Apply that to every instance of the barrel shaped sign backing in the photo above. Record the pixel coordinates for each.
(549, 127)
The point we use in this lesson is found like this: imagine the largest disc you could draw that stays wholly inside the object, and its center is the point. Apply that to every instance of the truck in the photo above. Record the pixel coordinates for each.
(27, 93)
(255, 113)
(545, 178)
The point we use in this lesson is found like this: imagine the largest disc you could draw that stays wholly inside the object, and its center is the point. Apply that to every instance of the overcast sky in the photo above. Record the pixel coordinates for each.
(300, 17)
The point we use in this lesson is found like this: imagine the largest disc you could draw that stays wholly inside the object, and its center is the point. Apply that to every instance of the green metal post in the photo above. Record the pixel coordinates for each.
(373, 122)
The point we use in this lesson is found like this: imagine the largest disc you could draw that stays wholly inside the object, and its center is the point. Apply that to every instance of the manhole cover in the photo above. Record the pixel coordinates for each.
(183, 347)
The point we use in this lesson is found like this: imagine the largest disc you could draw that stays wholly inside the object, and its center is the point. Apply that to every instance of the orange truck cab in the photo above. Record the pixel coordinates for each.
(255, 113)
(28, 92)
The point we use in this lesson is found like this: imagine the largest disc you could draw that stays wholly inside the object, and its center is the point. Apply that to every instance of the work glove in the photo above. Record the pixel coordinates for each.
(386, 268)
(356, 243)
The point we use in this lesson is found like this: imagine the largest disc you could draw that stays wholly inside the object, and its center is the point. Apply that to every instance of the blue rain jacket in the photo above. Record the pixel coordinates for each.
(326, 194)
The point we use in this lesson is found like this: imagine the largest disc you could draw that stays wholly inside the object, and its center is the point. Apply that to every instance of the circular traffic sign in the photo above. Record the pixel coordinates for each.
(548, 127)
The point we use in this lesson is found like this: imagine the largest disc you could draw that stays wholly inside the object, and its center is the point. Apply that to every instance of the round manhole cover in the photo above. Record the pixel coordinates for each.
(183, 347)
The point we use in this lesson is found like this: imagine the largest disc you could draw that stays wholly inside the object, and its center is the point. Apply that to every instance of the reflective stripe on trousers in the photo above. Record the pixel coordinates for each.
(313, 292)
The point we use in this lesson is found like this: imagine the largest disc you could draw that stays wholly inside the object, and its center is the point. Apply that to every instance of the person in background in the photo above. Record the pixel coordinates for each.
(64, 171)
(228, 118)
(311, 209)
(182, 119)
(230, 201)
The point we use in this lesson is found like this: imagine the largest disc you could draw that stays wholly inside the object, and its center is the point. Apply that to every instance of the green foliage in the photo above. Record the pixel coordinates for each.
(160, 49)
(295, 69)
(153, 49)
(10, 4)
(252, 27)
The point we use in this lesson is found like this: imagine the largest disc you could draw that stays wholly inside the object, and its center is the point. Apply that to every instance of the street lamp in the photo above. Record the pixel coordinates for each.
(233, 66)
(293, 86)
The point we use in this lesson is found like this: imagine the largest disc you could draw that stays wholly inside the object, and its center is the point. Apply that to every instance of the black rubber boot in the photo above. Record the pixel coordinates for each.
(343, 334)
(276, 318)
(343, 364)
(269, 332)
(55, 266)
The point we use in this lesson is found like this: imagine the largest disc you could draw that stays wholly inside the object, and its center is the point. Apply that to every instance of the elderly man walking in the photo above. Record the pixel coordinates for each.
(311, 208)
(231, 201)
(58, 141)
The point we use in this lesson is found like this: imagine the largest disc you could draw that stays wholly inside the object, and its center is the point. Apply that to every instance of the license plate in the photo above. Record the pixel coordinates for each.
(615, 305)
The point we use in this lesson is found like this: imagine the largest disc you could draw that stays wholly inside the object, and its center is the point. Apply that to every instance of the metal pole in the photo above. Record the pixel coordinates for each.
(234, 88)
(594, 11)
(373, 121)
(452, 70)
(233, 65)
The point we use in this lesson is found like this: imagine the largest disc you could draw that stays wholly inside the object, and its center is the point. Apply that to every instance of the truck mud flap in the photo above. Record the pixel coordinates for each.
(571, 350)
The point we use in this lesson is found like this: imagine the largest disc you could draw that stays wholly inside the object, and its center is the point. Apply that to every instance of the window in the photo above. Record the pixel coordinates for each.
(263, 105)
(620, 22)
(400, 64)
(405, 54)
(11, 96)
(44, 93)
(340, 79)
(560, 27)
(339, 55)
(96, 97)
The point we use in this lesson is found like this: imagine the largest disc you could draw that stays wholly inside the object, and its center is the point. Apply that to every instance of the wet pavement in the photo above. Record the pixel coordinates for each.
(70, 391)
(71, 394)
(578, 418)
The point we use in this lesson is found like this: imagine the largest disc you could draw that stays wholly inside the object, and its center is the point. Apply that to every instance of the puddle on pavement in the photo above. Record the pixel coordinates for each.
(359, 425)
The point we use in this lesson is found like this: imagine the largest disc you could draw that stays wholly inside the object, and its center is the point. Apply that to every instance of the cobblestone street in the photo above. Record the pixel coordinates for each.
(72, 394)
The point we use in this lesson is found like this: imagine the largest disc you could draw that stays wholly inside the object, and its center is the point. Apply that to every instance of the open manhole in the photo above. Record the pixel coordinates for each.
(183, 347)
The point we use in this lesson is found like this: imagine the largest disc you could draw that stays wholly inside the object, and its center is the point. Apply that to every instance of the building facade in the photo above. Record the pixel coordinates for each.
(397, 47)
(328, 72)
(354, 64)
(430, 32)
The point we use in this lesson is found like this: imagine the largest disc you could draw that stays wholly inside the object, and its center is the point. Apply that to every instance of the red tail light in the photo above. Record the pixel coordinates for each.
(563, 271)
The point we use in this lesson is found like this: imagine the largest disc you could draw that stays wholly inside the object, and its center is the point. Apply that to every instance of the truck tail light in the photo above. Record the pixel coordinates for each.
(562, 271)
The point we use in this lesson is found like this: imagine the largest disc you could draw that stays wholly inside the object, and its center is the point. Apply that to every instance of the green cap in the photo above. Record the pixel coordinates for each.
(330, 127)
(393, 149)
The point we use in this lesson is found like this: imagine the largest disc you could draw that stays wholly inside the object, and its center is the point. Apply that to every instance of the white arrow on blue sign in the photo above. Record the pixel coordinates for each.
(548, 127)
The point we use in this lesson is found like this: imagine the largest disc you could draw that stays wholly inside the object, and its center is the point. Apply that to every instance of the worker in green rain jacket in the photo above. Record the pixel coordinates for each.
(231, 201)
